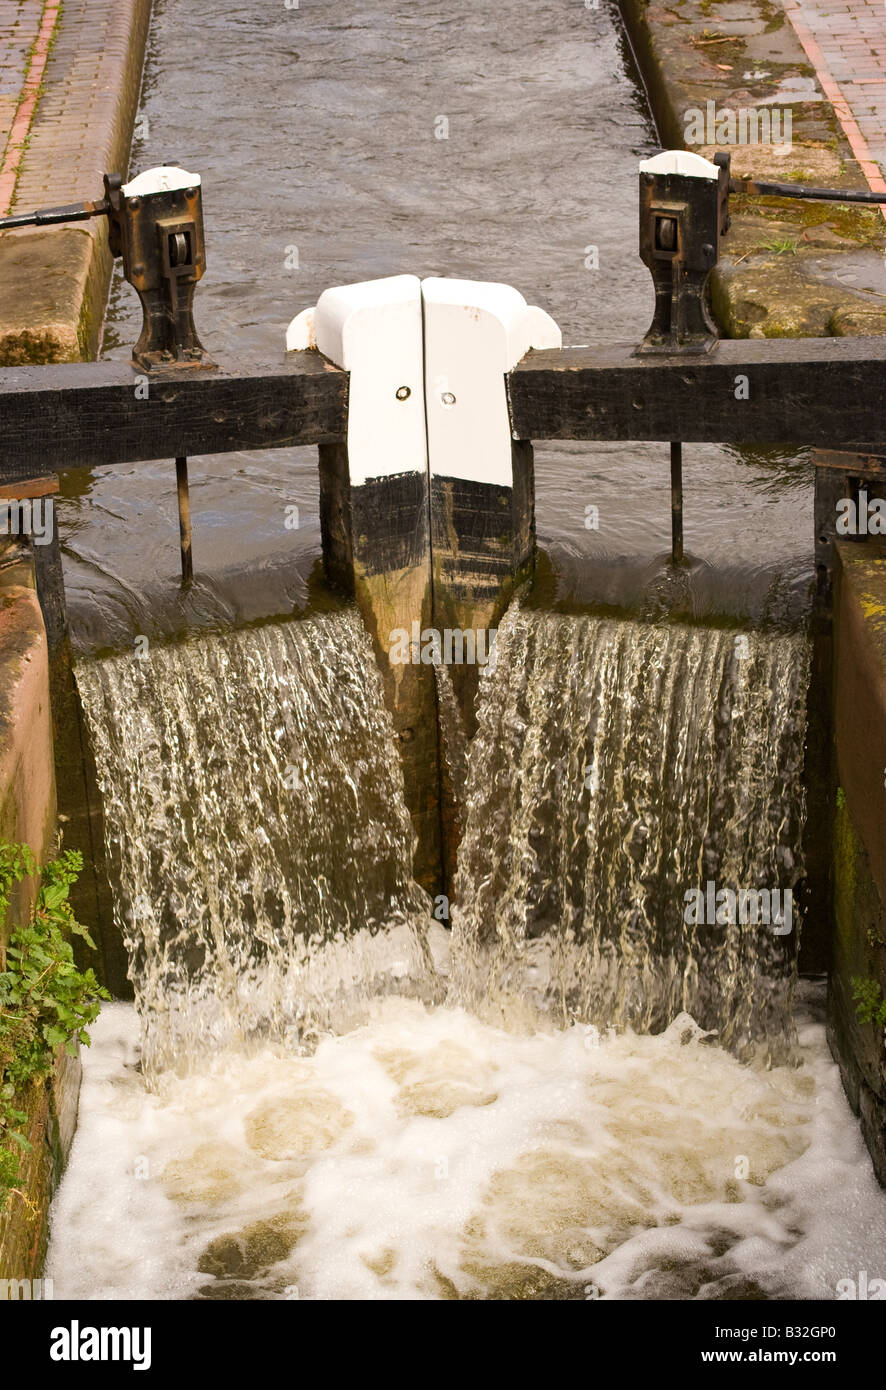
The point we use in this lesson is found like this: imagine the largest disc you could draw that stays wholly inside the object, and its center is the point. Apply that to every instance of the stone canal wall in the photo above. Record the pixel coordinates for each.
(27, 775)
(27, 815)
(71, 75)
(857, 1033)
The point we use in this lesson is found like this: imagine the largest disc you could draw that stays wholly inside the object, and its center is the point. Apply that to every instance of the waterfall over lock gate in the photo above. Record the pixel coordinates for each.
(255, 821)
(428, 1151)
(617, 767)
(255, 824)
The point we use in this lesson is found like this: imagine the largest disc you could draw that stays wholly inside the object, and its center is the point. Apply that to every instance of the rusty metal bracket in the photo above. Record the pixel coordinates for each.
(156, 227)
(684, 213)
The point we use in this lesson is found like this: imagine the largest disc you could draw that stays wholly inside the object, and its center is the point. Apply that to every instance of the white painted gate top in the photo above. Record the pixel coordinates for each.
(426, 385)
(374, 331)
(166, 178)
(475, 332)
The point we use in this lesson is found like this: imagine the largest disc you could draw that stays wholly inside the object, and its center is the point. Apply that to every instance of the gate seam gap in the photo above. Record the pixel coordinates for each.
(444, 878)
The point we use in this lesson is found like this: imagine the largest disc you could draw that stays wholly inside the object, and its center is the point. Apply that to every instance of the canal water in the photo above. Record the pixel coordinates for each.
(578, 1092)
(314, 131)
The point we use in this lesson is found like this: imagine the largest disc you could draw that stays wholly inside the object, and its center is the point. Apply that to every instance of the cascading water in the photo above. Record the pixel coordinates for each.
(255, 823)
(617, 766)
(427, 1151)
(419, 1151)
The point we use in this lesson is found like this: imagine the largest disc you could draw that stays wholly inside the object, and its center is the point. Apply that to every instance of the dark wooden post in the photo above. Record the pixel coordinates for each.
(374, 516)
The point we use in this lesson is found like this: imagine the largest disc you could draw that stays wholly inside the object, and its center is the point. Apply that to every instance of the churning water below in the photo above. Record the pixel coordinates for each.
(428, 1155)
(336, 1103)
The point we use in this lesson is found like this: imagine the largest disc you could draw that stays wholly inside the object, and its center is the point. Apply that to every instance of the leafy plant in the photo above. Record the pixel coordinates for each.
(870, 1005)
(45, 1001)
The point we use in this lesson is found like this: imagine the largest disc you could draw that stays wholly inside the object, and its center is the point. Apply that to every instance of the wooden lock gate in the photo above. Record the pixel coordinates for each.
(424, 399)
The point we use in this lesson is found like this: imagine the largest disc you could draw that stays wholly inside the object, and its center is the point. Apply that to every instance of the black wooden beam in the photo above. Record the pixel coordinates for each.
(825, 391)
(94, 413)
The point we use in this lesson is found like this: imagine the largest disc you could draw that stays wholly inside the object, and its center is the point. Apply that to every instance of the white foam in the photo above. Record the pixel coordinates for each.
(426, 1154)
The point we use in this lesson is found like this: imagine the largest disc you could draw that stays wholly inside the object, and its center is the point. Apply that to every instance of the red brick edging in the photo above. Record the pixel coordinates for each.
(15, 147)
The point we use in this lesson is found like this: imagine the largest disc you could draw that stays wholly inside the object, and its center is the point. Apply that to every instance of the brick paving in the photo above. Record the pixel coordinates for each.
(845, 41)
(82, 125)
(19, 26)
(64, 117)
(26, 29)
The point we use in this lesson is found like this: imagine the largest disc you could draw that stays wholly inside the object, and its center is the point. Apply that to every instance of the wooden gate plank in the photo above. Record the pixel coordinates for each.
(824, 391)
(92, 414)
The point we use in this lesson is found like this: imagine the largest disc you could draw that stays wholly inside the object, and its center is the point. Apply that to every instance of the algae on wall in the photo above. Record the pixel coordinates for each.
(859, 954)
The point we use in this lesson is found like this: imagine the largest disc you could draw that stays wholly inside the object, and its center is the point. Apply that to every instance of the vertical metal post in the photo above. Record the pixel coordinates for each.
(184, 519)
(677, 503)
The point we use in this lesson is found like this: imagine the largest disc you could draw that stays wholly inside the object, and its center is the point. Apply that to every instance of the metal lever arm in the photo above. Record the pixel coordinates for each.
(801, 190)
(50, 217)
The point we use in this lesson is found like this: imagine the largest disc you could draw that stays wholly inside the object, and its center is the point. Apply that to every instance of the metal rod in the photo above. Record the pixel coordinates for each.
(48, 217)
(184, 519)
(677, 503)
(801, 190)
